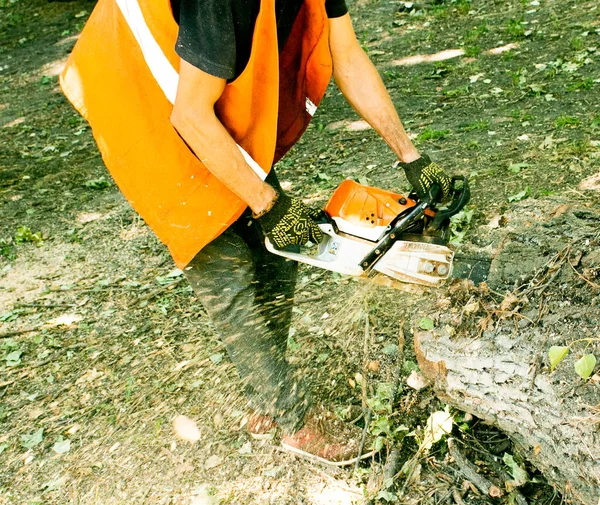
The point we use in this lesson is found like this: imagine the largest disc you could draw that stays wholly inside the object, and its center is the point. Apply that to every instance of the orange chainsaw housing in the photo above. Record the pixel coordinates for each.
(366, 206)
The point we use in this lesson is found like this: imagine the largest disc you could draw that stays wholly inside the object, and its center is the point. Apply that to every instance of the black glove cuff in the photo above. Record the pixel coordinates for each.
(280, 208)
(417, 164)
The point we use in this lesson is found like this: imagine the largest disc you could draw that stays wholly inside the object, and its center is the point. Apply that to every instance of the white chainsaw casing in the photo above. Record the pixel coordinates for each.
(414, 262)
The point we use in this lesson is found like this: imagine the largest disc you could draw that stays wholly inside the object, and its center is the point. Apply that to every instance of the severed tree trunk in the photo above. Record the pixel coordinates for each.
(487, 354)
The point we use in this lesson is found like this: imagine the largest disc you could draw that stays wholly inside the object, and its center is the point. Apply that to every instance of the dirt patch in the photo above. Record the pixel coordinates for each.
(108, 344)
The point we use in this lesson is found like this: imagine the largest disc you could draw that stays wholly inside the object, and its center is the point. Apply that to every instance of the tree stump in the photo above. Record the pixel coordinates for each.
(488, 354)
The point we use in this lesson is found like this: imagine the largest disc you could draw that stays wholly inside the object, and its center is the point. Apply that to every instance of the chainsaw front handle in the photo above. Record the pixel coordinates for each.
(460, 198)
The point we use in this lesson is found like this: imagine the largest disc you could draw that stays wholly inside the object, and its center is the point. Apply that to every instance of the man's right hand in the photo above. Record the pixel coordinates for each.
(290, 222)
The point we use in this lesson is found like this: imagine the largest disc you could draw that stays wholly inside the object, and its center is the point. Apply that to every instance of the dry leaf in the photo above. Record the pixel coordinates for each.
(213, 462)
(416, 381)
(373, 366)
(186, 429)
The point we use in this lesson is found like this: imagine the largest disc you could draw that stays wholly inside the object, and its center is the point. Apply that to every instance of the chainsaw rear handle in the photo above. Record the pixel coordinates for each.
(460, 198)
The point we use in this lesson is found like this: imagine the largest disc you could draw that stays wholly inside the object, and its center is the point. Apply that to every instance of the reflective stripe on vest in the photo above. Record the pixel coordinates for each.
(164, 73)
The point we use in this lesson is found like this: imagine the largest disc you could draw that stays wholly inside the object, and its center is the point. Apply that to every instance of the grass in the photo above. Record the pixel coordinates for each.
(515, 29)
(562, 121)
(481, 124)
(431, 134)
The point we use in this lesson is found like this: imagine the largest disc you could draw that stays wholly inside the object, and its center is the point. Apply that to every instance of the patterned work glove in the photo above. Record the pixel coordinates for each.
(290, 222)
(424, 173)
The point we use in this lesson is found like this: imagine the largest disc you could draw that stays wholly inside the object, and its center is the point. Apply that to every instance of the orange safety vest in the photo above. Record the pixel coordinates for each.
(122, 77)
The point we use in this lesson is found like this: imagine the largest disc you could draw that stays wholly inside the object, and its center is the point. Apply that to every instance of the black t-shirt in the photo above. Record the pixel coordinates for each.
(216, 35)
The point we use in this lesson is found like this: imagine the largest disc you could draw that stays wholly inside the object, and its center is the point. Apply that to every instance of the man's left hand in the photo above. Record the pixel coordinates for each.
(424, 173)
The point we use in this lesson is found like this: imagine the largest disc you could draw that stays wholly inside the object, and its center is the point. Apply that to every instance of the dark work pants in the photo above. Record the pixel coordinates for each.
(248, 294)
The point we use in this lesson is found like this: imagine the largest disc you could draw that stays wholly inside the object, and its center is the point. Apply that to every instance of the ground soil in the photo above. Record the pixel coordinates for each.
(103, 342)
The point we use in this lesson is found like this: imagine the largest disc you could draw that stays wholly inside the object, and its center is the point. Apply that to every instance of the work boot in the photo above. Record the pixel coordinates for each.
(325, 439)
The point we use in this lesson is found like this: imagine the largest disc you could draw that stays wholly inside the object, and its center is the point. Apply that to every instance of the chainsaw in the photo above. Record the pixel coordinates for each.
(371, 232)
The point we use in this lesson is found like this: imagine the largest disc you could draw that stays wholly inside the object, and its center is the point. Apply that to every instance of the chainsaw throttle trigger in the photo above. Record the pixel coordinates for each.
(460, 198)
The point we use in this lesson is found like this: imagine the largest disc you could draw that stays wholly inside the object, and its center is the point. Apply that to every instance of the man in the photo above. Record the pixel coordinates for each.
(227, 105)
(247, 291)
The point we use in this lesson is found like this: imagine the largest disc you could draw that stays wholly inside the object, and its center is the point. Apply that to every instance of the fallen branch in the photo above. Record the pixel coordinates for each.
(469, 470)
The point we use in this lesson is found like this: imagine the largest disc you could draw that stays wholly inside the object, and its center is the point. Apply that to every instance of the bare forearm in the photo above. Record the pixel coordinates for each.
(220, 154)
(362, 86)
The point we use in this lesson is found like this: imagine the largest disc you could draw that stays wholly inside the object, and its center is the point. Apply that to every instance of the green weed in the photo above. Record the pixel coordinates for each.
(482, 124)
(562, 121)
(515, 28)
(473, 35)
(454, 93)
(581, 84)
(462, 6)
(25, 235)
(472, 51)
(576, 44)
(429, 134)
(7, 249)
(520, 115)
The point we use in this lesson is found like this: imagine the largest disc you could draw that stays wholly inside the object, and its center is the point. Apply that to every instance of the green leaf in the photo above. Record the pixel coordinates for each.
(29, 441)
(378, 444)
(391, 350)
(321, 358)
(516, 168)
(426, 324)
(387, 496)
(381, 427)
(216, 358)
(585, 365)
(99, 184)
(385, 390)
(3, 447)
(520, 196)
(62, 446)
(556, 354)
(519, 475)
(13, 358)
(292, 345)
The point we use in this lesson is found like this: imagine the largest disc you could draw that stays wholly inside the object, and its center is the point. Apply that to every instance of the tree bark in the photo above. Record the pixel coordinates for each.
(488, 353)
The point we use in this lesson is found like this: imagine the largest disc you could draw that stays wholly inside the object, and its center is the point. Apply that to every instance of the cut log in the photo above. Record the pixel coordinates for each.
(488, 353)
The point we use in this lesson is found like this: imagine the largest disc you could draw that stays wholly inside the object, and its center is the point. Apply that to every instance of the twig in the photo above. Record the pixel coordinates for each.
(457, 497)
(47, 306)
(317, 459)
(37, 328)
(363, 438)
(10, 334)
(393, 460)
(491, 460)
(391, 465)
(364, 390)
(308, 300)
(583, 277)
(469, 470)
